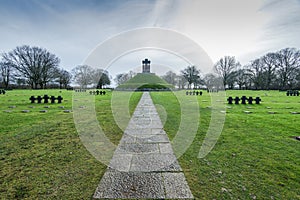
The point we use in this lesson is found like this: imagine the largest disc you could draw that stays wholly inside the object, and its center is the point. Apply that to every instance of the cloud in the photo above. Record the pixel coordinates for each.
(229, 27)
(283, 26)
(69, 30)
(73, 28)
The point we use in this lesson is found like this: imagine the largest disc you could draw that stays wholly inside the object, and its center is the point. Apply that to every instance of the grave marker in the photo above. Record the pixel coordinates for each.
(32, 99)
(236, 100)
(59, 99)
(257, 100)
(39, 99)
(52, 98)
(244, 98)
(46, 98)
(230, 99)
(250, 100)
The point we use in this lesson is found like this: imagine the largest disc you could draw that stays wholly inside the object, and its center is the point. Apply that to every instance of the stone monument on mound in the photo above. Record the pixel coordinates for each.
(146, 66)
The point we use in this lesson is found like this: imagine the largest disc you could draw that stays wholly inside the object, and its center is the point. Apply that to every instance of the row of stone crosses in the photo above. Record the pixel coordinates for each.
(194, 93)
(292, 93)
(97, 92)
(243, 99)
(46, 99)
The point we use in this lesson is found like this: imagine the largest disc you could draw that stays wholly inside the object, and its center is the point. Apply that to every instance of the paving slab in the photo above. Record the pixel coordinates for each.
(138, 148)
(129, 185)
(155, 162)
(176, 186)
(144, 165)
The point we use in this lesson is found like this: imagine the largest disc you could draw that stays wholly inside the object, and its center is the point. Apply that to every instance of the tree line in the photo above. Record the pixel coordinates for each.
(37, 68)
(274, 70)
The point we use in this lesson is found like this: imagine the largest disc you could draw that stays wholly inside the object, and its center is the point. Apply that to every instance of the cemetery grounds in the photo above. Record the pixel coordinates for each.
(256, 156)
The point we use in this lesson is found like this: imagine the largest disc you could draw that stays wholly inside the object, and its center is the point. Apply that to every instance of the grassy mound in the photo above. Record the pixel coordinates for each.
(143, 81)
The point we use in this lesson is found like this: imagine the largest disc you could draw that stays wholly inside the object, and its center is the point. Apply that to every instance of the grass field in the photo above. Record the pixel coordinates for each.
(42, 157)
(255, 156)
(145, 80)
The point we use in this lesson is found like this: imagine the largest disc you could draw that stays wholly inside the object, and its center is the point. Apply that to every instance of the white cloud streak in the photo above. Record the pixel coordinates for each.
(245, 29)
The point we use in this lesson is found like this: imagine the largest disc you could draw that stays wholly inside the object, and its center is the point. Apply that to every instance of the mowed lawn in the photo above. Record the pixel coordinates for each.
(41, 154)
(255, 156)
(42, 157)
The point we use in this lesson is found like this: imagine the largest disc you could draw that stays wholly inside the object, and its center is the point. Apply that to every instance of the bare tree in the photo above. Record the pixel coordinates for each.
(33, 63)
(170, 77)
(269, 69)
(191, 74)
(297, 79)
(6, 73)
(287, 61)
(243, 78)
(225, 68)
(63, 78)
(210, 80)
(256, 72)
(122, 78)
(181, 82)
(83, 75)
(47, 74)
(100, 78)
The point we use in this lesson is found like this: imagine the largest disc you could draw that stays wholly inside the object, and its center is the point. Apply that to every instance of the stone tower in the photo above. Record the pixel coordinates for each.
(146, 66)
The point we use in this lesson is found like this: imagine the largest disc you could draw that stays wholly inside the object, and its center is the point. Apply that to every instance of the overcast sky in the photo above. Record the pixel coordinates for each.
(72, 29)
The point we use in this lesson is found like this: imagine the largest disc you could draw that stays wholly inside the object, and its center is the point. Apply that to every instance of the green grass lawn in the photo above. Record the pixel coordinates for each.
(41, 154)
(255, 156)
(42, 157)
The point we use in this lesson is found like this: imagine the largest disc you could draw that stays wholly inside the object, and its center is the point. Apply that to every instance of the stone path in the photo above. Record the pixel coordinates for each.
(144, 165)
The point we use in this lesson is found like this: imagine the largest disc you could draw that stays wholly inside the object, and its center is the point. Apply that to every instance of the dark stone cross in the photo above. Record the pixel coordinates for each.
(39, 99)
(59, 99)
(46, 98)
(244, 98)
(32, 99)
(250, 99)
(230, 99)
(52, 98)
(146, 65)
(257, 100)
(236, 100)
